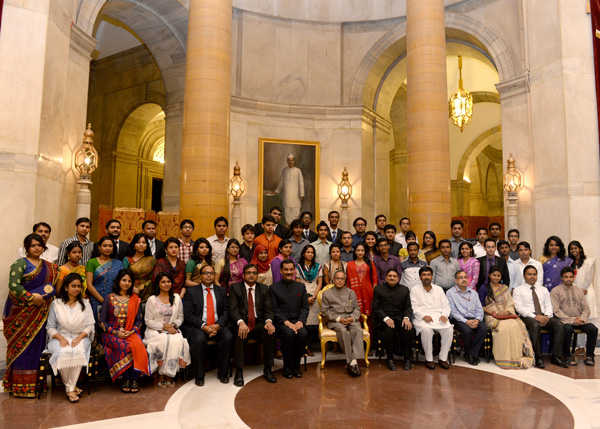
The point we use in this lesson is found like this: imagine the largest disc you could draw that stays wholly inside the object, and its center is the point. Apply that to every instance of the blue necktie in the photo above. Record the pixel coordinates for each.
(333, 235)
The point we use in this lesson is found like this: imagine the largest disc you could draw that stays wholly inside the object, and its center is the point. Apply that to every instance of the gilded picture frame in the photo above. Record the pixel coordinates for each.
(272, 164)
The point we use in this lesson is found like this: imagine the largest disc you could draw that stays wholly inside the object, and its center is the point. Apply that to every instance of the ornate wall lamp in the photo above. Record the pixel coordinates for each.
(86, 161)
(237, 186)
(512, 184)
(344, 191)
(461, 103)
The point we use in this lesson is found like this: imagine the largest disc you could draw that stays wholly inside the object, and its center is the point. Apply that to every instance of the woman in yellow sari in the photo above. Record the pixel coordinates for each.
(512, 347)
(141, 263)
(74, 254)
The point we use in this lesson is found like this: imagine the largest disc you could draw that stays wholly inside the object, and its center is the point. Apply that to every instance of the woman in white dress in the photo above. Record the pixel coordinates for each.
(585, 268)
(167, 350)
(70, 327)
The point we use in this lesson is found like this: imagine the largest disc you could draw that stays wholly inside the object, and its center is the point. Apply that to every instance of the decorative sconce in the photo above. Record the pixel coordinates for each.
(461, 103)
(344, 188)
(86, 157)
(236, 184)
(512, 185)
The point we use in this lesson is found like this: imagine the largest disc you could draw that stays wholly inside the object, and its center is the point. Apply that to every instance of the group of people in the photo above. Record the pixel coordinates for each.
(156, 306)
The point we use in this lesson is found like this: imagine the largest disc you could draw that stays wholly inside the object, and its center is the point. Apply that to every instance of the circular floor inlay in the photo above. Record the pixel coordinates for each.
(457, 398)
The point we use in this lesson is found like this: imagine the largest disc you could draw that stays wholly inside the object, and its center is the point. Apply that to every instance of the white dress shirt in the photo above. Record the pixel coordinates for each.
(520, 266)
(253, 300)
(523, 298)
(433, 303)
(218, 247)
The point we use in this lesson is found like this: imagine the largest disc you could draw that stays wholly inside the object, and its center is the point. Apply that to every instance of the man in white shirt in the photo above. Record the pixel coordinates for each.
(534, 305)
(430, 313)
(404, 228)
(411, 267)
(525, 259)
(513, 269)
(219, 240)
(479, 248)
(321, 245)
(51, 252)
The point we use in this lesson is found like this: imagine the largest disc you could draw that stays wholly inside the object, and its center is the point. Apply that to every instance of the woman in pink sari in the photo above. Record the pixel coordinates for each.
(468, 263)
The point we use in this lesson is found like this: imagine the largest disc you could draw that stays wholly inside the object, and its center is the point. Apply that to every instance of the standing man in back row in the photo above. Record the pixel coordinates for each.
(51, 252)
(82, 229)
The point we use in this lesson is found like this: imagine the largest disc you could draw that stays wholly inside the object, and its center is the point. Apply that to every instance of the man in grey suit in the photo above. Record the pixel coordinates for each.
(340, 307)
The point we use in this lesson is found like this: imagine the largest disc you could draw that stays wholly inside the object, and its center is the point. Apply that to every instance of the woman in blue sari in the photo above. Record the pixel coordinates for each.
(100, 273)
(31, 290)
(554, 259)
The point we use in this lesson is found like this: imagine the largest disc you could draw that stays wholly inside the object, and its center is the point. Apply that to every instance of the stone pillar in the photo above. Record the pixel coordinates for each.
(428, 158)
(172, 171)
(207, 100)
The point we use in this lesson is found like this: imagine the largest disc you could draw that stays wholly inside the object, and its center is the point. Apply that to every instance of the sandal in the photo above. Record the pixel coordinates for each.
(170, 383)
(78, 391)
(72, 397)
(126, 387)
(163, 384)
(135, 387)
(589, 361)
(572, 361)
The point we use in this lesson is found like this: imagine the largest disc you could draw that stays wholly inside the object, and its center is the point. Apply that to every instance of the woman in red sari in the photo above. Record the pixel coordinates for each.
(171, 264)
(120, 319)
(31, 290)
(361, 277)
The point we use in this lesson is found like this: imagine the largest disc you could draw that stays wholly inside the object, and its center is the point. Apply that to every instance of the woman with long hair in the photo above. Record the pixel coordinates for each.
(141, 263)
(370, 239)
(172, 265)
(100, 272)
(310, 274)
(74, 255)
(553, 260)
(230, 269)
(120, 320)
(167, 350)
(70, 329)
(201, 256)
(512, 347)
(429, 247)
(468, 263)
(334, 265)
(30, 291)
(361, 277)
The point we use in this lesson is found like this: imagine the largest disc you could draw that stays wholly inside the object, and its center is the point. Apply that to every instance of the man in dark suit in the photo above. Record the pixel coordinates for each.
(485, 262)
(156, 246)
(306, 218)
(335, 233)
(290, 307)
(113, 230)
(392, 313)
(205, 318)
(280, 230)
(251, 322)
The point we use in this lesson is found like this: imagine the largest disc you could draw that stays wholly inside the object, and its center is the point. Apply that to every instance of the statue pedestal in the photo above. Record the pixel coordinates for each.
(84, 198)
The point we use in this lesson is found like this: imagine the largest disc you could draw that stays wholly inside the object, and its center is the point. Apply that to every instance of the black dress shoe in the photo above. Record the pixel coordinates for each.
(444, 364)
(470, 359)
(391, 365)
(223, 378)
(407, 364)
(268, 375)
(558, 361)
(199, 381)
(354, 371)
(539, 363)
(287, 373)
(429, 365)
(476, 360)
(297, 373)
(238, 380)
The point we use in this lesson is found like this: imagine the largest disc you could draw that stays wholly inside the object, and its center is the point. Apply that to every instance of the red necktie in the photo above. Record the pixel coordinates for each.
(210, 308)
(251, 315)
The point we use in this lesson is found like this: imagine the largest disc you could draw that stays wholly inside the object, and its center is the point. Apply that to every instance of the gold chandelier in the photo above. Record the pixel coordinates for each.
(461, 103)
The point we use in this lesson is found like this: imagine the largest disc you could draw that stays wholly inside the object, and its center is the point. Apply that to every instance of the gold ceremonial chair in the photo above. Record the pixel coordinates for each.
(327, 335)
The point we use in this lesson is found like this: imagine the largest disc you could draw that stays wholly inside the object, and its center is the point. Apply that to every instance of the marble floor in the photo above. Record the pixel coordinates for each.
(465, 396)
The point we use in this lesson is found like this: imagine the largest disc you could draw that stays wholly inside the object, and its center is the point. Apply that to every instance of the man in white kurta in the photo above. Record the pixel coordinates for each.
(291, 188)
(431, 311)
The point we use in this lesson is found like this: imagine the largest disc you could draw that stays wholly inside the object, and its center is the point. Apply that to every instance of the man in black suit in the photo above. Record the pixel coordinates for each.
(290, 307)
(113, 230)
(335, 233)
(251, 322)
(306, 218)
(205, 318)
(156, 246)
(392, 312)
(485, 262)
(280, 230)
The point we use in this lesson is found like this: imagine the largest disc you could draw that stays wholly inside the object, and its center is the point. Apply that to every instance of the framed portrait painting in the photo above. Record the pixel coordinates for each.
(288, 177)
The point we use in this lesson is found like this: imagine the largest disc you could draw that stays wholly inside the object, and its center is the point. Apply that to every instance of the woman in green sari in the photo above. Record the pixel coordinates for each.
(100, 273)
(141, 263)
(201, 256)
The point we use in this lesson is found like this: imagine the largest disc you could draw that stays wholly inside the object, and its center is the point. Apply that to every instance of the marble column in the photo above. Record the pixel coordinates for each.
(172, 171)
(207, 100)
(428, 157)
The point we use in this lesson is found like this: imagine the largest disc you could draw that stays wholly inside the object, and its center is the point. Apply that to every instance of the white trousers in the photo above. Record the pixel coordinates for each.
(69, 377)
(427, 342)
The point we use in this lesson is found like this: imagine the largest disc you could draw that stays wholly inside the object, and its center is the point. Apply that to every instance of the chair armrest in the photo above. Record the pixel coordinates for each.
(320, 316)
(364, 319)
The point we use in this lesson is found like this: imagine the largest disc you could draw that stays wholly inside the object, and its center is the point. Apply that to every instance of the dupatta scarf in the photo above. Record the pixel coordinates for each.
(552, 269)
(138, 350)
(142, 270)
(163, 265)
(103, 279)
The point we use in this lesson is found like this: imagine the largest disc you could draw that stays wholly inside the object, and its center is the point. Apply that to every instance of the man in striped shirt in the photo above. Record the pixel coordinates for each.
(82, 229)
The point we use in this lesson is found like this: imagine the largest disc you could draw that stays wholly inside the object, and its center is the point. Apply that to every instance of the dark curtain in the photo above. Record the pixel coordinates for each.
(595, 10)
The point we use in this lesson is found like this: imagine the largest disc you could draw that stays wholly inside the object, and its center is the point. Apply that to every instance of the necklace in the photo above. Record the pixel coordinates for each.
(122, 300)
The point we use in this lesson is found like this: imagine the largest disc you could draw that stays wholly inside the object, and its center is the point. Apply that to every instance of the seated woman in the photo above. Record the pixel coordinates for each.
(74, 255)
(70, 327)
(100, 272)
(141, 263)
(310, 274)
(120, 320)
(230, 269)
(167, 350)
(260, 258)
(30, 292)
(512, 347)
(171, 264)
(201, 256)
